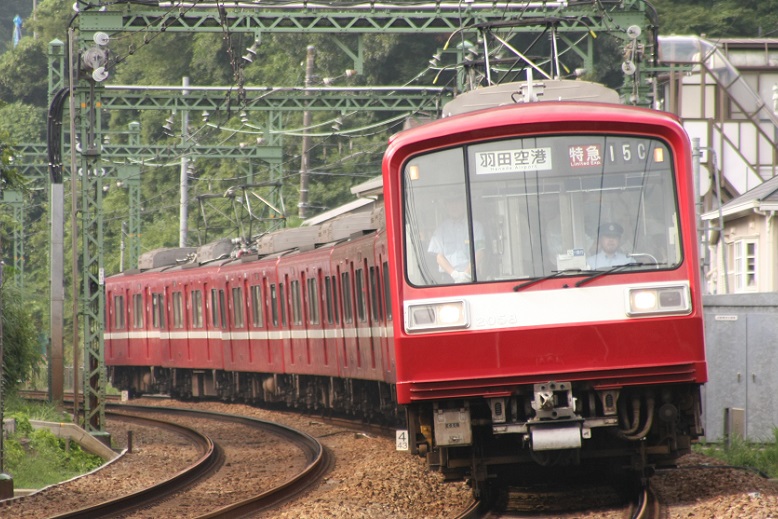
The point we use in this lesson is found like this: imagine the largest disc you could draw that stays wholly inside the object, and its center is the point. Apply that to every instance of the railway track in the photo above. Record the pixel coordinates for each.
(315, 463)
(570, 502)
(203, 467)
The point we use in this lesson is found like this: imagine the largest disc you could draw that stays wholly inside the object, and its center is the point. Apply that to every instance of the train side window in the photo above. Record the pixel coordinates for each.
(158, 310)
(118, 312)
(296, 306)
(359, 282)
(328, 299)
(215, 308)
(345, 289)
(237, 306)
(387, 294)
(178, 316)
(313, 300)
(137, 310)
(282, 303)
(257, 305)
(222, 309)
(335, 305)
(375, 294)
(197, 309)
(274, 304)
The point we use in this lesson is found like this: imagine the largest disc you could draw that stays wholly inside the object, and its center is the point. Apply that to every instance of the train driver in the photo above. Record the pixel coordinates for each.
(609, 253)
(451, 242)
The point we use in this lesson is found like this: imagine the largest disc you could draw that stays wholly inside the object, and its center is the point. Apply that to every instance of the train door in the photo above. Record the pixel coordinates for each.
(117, 336)
(211, 355)
(333, 331)
(178, 343)
(368, 349)
(378, 332)
(287, 325)
(236, 352)
(137, 332)
(320, 358)
(390, 367)
(259, 351)
(157, 343)
(230, 323)
(298, 349)
(350, 359)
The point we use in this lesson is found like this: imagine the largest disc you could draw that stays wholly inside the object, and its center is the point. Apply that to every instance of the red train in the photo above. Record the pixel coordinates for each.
(532, 296)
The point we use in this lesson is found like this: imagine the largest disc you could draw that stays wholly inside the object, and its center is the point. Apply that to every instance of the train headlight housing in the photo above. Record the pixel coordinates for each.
(446, 315)
(659, 301)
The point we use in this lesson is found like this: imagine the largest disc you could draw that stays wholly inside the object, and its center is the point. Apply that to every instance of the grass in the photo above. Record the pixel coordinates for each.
(762, 457)
(37, 458)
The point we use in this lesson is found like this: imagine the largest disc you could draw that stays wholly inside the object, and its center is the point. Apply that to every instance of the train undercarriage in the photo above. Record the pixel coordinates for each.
(558, 424)
(552, 425)
(373, 401)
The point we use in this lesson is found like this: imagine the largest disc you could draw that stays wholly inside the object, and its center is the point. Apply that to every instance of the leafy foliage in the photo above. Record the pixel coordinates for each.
(21, 349)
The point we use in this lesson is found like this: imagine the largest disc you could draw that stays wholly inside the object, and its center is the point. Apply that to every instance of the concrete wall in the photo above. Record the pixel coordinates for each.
(741, 332)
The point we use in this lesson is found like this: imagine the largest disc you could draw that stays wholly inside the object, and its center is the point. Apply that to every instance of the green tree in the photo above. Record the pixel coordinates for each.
(22, 353)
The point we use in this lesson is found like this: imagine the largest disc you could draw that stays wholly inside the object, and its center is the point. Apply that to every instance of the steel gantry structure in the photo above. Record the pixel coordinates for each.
(572, 26)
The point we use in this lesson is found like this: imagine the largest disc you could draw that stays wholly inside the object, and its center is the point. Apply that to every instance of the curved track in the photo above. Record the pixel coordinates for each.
(317, 462)
(201, 468)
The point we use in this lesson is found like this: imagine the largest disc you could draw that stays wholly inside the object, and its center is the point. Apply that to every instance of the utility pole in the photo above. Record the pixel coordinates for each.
(304, 161)
(6, 481)
(183, 214)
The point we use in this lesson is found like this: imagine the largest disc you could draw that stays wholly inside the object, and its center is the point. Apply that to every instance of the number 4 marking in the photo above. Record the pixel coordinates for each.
(401, 440)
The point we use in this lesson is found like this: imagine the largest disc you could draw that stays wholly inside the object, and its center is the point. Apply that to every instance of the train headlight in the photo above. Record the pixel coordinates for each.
(437, 316)
(659, 301)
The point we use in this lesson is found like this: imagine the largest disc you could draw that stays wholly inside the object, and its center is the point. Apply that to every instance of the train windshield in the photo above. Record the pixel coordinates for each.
(540, 206)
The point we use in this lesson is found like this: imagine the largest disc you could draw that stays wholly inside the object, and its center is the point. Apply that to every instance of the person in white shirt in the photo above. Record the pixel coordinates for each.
(451, 242)
(609, 253)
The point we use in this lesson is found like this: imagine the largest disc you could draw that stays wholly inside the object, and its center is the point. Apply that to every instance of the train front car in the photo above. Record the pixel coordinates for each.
(548, 281)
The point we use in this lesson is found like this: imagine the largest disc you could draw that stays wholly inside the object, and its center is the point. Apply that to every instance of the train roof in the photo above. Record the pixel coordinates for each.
(267, 246)
(530, 92)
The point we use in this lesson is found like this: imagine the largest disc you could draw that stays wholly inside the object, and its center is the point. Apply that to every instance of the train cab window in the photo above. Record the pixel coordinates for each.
(257, 306)
(274, 304)
(375, 294)
(529, 207)
(118, 312)
(237, 307)
(197, 309)
(345, 290)
(158, 310)
(313, 300)
(178, 314)
(387, 293)
(137, 310)
(294, 287)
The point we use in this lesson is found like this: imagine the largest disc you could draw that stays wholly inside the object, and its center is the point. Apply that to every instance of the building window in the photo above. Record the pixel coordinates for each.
(743, 268)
